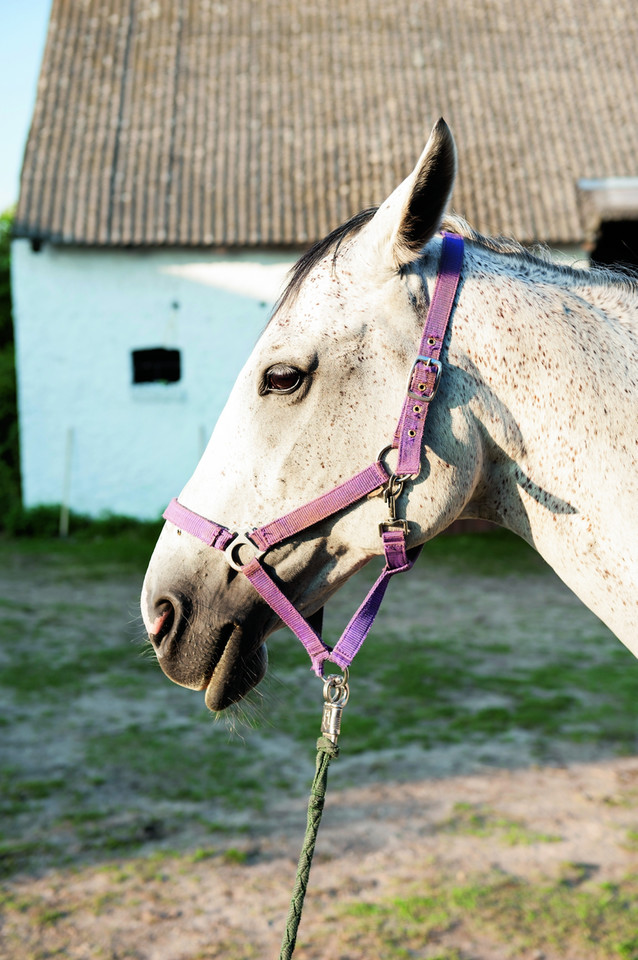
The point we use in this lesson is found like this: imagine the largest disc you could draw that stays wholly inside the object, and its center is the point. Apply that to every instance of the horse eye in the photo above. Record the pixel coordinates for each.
(282, 379)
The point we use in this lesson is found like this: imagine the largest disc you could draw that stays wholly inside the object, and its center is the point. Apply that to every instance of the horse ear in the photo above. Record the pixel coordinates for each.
(413, 213)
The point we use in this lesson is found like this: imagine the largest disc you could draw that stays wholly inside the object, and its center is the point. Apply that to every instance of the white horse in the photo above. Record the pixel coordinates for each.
(535, 427)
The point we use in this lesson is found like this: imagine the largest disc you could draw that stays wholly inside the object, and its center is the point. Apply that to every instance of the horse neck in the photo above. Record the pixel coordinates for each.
(547, 378)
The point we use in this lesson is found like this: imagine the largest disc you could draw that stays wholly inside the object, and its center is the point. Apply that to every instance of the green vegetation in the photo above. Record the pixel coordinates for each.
(569, 915)
(96, 549)
(541, 676)
(479, 821)
(123, 761)
(235, 856)
(9, 452)
(597, 922)
(43, 522)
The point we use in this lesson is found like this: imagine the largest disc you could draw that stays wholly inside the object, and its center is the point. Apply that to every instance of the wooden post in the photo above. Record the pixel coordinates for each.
(66, 484)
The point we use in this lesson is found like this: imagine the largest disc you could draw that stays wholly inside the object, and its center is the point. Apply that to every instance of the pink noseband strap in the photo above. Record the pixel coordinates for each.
(356, 488)
(205, 530)
(422, 386)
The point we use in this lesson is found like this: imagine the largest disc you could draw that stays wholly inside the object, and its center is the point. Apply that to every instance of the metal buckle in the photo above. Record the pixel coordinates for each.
(391, 494)
(430, 362)
(396, 524)
(335, 696)
(241, 540)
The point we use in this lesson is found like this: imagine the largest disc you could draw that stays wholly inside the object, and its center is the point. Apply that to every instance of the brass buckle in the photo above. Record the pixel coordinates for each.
(430, 362)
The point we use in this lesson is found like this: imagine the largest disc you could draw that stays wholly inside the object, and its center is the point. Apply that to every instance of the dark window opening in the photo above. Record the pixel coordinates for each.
(616, 243)
(157, 365)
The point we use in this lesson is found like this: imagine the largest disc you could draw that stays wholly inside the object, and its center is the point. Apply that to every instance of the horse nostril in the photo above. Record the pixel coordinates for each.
(163, 622)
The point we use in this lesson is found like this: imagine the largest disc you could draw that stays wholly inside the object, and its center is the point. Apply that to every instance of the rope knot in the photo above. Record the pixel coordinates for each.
(327, 746)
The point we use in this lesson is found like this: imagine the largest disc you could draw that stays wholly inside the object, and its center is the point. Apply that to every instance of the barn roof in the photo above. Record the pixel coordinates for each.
(268, 122)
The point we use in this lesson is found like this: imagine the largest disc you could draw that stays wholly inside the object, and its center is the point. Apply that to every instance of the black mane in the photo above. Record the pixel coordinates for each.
(316, 253)
(622, 278)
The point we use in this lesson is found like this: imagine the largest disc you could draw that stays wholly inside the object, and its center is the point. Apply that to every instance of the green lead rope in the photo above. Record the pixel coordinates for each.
(335, 696)
(326, 750)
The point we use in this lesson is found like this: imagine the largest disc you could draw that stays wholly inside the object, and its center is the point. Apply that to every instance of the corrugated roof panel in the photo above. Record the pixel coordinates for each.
(260, 123)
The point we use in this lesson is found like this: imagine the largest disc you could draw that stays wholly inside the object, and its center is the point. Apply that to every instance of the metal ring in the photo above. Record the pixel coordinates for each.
(335, 684)
(395, 477)
(241, 540)
(384, 451)
(395, 486)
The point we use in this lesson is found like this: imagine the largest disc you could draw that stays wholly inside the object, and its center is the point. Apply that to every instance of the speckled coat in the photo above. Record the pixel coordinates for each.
(535, 427)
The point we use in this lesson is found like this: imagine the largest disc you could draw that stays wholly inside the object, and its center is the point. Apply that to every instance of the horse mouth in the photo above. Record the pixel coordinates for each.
(235, 672)
(223, 664)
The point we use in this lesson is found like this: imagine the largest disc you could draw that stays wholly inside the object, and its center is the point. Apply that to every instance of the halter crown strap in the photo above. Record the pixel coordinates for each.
(425, 374)
(421, 389)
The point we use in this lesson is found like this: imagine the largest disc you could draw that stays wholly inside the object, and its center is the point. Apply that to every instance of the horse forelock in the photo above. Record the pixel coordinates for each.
(309, 260)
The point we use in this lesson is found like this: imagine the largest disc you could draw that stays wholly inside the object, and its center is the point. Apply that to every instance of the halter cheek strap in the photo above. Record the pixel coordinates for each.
(423, 383)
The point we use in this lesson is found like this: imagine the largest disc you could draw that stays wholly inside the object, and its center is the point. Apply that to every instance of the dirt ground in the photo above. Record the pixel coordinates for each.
(456, 817)
(375, 843)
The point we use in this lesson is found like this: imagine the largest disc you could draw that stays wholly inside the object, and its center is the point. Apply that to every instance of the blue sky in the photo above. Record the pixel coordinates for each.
(23, 26)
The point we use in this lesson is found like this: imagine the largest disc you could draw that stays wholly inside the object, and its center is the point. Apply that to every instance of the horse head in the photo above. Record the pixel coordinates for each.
(315, 403)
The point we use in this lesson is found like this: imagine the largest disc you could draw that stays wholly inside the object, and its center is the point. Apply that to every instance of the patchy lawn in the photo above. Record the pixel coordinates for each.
(485, 804)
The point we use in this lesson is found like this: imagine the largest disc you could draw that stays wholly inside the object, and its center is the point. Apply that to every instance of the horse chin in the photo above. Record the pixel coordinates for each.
(226, 663)
(235, 675)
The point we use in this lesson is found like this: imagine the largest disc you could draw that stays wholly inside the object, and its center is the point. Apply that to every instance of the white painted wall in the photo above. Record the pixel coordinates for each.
(78, 315)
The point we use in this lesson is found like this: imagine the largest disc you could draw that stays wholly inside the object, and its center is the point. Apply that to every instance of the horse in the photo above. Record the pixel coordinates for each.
(534, 427)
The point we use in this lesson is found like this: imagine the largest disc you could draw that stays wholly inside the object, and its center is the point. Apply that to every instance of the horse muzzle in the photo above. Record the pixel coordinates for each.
(198, 639)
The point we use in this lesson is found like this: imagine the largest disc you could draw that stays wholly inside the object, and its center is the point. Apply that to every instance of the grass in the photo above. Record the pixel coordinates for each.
(476, 820)
(490, 664)
(437, 688)
(597, 923)
(94, 550)
(567, 915)
(183, 768)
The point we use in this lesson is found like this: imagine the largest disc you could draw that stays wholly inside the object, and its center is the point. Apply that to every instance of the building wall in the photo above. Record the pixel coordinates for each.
(88, 434)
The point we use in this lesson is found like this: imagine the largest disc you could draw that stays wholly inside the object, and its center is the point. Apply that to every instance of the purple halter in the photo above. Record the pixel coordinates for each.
(423, 383)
